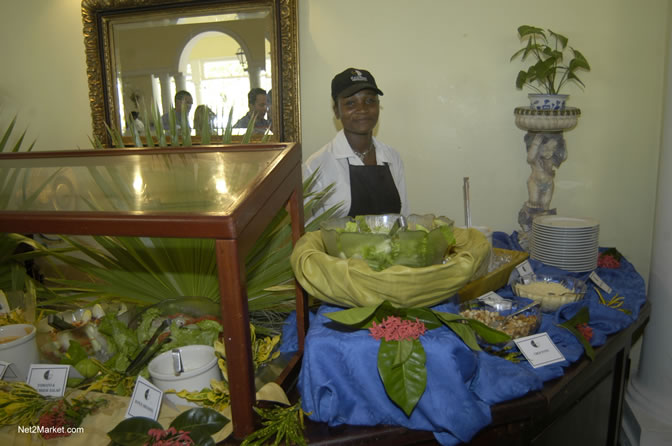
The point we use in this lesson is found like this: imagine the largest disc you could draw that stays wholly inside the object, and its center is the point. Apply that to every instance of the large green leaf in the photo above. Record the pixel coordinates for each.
(488, 334)
(401, 365)
(467, 329)
(465, 333)
(354, 317)
(424, 315)
(581, 317)
(201, 419)
(133, 431)
(527, 30)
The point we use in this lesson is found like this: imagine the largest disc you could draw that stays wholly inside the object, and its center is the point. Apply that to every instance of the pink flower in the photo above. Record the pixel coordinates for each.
(585, 330)
(396, 329)
(156, 434)
(169, 437)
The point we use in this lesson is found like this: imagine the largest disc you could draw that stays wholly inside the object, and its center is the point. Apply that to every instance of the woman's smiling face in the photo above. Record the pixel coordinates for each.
(358, 113)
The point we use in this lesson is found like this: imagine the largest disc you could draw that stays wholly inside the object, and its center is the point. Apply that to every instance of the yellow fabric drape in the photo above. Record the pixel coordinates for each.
(351, 283)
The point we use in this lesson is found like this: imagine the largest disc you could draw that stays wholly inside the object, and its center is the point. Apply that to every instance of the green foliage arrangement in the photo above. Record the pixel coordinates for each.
(575, 325)
(401, 359)
(551, 68)
(282, 425)
(16, 249)
(195, 426)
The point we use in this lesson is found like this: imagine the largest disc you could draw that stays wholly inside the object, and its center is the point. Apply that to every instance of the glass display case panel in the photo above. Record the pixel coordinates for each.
(196, 181)
(228, 193)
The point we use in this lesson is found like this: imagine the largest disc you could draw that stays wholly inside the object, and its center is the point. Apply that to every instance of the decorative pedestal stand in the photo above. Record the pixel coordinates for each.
(546, 150)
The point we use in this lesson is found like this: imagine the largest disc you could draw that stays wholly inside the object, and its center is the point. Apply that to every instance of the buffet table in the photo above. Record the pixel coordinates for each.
(478, 398)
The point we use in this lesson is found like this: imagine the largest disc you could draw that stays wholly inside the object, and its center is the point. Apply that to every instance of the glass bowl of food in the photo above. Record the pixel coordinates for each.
(389, 239)
(517, 318)
(550, 290)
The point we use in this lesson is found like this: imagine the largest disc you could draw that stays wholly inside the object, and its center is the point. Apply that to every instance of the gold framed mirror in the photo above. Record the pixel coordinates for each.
(142, 52)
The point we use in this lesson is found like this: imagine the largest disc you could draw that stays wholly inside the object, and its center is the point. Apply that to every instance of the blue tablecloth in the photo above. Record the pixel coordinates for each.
(339, 381)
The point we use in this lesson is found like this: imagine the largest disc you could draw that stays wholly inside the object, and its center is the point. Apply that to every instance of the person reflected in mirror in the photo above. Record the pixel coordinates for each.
(256, 100)
(183, 102)
(204, 120)
(135, 125)
(545, 153)
(368, 175)
(269, 107)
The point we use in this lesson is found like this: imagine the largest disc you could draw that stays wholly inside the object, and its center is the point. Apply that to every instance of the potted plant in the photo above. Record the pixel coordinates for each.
(550, 70)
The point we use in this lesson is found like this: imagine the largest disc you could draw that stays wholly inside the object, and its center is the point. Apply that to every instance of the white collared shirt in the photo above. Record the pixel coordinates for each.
(333, 161)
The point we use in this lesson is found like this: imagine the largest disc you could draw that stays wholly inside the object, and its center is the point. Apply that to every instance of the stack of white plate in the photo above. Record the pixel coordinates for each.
(566, 242)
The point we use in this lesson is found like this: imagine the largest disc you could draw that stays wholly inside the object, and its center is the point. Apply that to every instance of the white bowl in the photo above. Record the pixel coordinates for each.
(21, 351)
(200, 366)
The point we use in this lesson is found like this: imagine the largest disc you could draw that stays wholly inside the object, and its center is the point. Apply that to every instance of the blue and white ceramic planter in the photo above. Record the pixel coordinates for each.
(547, 101)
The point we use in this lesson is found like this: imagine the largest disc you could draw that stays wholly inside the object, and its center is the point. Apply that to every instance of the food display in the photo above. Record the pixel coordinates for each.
(416, 241)
(55, 332)
(551, 291)
(351, 282)
(517, 319)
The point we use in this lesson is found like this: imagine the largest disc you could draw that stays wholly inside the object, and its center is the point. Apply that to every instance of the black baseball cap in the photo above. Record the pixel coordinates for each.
(352, 80)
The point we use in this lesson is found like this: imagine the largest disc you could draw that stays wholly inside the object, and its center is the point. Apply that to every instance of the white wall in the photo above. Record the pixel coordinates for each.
(449, 97)
(43, 76)
(450, 93)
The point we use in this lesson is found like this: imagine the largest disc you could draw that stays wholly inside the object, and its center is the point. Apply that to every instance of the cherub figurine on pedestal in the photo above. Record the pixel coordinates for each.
(545, 152)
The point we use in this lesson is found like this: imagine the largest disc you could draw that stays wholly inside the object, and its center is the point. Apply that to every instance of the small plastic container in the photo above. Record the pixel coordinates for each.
(551, 291)
(500, 316)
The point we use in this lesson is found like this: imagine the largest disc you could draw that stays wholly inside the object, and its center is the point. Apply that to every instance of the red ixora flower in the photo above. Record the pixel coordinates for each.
(55, 418)
(394, 328)
(169, 437)
(585, 330)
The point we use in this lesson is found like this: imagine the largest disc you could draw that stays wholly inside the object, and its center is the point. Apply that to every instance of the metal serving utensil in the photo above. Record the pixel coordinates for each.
(524, 309)
(399, 223)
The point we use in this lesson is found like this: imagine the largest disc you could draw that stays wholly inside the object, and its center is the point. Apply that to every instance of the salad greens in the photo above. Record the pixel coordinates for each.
(124, 344)
(416, 247)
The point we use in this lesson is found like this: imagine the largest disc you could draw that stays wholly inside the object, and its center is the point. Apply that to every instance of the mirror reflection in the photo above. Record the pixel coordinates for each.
(144, 52)
(219, 59)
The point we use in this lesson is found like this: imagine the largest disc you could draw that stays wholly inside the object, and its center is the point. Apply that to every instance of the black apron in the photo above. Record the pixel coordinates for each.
(372, 191)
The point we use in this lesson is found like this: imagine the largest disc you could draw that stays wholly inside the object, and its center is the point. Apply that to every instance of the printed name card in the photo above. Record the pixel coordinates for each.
(525, 270)
(539, 350)
(145, 401)
(48, 379)
(597, 280)
(495, 300)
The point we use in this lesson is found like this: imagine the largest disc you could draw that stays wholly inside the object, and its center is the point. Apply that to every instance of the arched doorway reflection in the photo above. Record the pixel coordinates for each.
(214, 75)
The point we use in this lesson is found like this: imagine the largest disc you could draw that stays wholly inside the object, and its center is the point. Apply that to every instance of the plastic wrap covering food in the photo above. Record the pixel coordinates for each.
(422, 240)
(351, 282)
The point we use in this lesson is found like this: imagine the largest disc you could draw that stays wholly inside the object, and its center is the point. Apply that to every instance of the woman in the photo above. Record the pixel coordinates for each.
(204, 118)
(368, 176)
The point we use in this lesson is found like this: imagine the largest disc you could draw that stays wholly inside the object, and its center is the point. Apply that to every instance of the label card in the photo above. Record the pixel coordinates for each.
(493, 299)
(48, 379)
(524, 270)
(597, 280)
(145, 401)
(539, 350)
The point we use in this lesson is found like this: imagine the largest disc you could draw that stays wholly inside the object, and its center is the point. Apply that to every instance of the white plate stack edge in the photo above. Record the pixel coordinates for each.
(569, 243)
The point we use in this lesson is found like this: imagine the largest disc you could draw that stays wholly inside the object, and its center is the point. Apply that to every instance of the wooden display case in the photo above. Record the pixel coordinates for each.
(226, 193)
